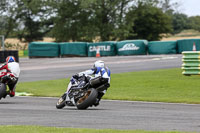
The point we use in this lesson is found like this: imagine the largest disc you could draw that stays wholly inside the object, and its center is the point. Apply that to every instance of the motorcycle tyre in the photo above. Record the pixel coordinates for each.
(89, 100)
(3, 92)
(61, 102)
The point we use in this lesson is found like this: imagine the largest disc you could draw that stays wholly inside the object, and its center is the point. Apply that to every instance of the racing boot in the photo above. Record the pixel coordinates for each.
(96, 103)
(12, 93)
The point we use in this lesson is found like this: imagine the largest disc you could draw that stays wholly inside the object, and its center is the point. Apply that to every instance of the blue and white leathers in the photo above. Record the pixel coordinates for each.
(104, 72)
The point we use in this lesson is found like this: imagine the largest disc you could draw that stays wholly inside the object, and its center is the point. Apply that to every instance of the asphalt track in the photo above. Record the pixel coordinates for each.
(109, 114)
(121, 115)
(55, 68)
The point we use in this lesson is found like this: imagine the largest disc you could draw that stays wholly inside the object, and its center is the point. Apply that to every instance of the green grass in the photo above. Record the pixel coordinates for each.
(40, 129)
(167, 85)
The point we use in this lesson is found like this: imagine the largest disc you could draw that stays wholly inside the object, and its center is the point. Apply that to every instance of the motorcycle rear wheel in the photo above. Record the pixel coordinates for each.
(3, 92)
(88, 99)
(61, 102)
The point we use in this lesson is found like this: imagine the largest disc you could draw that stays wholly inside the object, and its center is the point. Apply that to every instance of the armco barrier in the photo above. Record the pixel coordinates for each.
(131, 47)
(188, 45)
(162, 47)
(6, 53)
(73, 49)
(2, 59)
(43, 49)
(106, 49)
(191, 63)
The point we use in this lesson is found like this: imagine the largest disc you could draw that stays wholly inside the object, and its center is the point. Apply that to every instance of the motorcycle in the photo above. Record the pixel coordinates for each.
(85, 93)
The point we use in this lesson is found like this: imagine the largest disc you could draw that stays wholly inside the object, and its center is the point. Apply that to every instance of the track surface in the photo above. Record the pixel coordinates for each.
(55, 68)
(110, 114)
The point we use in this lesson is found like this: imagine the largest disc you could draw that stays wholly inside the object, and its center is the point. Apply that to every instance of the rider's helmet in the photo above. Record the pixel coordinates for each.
(99, 63)
(10, 59)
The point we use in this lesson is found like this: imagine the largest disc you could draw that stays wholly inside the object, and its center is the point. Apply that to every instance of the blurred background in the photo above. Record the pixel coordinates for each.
(26, 21)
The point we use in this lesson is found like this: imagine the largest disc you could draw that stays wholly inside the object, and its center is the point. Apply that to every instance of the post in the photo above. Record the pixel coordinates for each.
(2, 42)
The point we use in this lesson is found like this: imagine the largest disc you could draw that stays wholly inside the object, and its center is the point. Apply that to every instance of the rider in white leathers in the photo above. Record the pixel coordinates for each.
(98, 70)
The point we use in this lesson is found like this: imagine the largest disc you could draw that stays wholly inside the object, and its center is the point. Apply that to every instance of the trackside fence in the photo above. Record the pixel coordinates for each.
(110, 48)
(105, 49)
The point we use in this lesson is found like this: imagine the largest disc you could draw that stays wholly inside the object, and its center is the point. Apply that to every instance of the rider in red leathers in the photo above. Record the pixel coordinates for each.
(9, 72)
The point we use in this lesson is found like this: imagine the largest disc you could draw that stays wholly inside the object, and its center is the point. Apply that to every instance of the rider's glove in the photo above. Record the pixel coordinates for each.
(6, 77)
(13, 79)
(76, 76)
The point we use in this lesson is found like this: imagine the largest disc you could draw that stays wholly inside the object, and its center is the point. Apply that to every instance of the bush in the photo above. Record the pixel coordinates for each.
(11, 46)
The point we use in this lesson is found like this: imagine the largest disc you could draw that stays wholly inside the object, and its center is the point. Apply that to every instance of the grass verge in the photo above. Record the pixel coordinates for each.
(40, 129)
(167, 85)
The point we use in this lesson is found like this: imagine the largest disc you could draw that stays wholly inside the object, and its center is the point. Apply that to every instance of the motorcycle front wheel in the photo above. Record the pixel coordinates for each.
(88, 99)
(61, 102)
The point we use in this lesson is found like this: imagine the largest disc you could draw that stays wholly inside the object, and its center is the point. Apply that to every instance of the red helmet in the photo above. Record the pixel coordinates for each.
(10, 59)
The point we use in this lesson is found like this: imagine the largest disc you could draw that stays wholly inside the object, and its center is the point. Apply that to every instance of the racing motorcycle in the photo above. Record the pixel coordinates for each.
(85, 93)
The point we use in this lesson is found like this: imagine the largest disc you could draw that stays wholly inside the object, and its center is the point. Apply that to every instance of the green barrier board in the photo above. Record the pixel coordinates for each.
(25, 52)
(197, 57)
(43, 49)
(191, 53)
(144, 41)
(21, 53)
(106, 49)
(191, 63)
(73, 49)
(188, 45)
(162, 47)
(131, 47)
(190, 73)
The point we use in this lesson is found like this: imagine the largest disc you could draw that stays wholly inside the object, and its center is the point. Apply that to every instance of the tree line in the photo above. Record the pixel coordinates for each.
(87, 20)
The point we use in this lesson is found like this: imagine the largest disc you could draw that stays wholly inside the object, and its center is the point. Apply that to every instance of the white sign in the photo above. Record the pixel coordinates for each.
(102, 48)
(129, 46)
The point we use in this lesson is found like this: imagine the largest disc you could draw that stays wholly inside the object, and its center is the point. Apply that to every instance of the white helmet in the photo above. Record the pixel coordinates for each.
(99, 63)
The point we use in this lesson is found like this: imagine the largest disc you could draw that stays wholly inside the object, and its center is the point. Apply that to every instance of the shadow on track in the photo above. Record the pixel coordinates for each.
(9, 102)
(89, 109)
